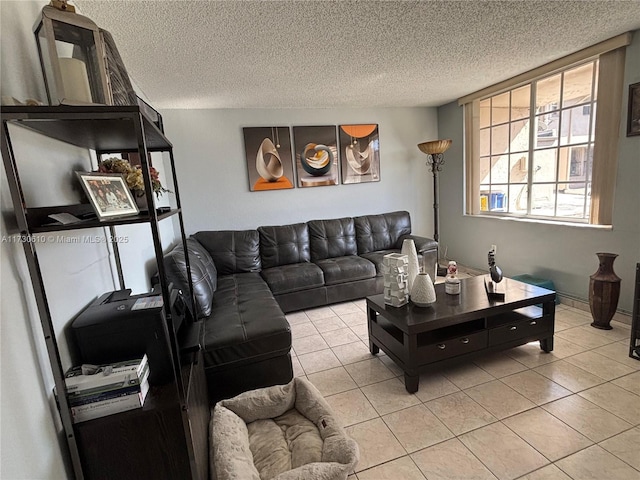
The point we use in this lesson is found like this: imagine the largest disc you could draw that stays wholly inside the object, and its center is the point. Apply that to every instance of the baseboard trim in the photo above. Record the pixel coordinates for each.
(620, 316)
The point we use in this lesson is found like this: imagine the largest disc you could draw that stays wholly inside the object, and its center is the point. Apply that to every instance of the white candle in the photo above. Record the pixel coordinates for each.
(75, 81)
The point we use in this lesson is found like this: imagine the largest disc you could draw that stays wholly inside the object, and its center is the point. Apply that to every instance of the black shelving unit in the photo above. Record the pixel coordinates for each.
(175, 416)
(634, 342)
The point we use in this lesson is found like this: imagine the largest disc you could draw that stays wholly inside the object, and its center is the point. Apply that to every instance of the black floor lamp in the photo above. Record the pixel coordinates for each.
(435, 160)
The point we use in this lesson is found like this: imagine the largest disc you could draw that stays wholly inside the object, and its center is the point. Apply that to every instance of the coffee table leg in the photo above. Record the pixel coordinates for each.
(411, 382)
(546, 344)
(373, 348)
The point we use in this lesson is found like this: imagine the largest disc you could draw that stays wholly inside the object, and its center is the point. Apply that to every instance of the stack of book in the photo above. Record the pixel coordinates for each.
(107, 389)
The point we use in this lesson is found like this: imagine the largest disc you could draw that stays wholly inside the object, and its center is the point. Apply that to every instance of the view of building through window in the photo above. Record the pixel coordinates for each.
(536, 146)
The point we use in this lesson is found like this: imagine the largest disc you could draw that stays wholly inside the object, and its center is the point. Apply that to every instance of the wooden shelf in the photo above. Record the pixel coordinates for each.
(98, 127)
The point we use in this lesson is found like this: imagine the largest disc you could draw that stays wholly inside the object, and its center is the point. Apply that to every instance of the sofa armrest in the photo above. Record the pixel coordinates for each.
(423, 244)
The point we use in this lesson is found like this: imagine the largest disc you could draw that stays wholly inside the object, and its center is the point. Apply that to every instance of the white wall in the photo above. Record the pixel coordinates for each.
(562, 253)
(214, 186)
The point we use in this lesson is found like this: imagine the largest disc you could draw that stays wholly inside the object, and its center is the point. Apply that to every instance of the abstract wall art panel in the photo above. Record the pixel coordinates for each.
(316, 155)
(269, 160)
(359, 153)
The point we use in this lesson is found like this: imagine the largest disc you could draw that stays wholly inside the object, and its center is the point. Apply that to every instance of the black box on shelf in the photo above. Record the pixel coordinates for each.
(119, 326)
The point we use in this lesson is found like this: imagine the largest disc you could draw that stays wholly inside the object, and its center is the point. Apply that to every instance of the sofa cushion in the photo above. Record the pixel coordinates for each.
(381, 232)
(376, 258)
(292, 278)
(203, 274)
(232, 251)
(346, 269)
(332, 238)
(284, 245)
(246, 324)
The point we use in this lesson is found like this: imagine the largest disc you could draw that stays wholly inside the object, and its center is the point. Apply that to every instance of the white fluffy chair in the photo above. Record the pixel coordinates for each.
(286, 432)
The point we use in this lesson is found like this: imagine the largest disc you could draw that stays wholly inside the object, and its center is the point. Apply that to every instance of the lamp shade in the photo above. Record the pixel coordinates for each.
(434, 147)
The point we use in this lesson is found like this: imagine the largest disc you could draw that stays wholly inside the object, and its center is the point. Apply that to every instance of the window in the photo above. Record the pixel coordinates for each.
(538, 146)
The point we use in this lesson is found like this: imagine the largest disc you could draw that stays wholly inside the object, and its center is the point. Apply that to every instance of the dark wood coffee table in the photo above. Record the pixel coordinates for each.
(458, 327)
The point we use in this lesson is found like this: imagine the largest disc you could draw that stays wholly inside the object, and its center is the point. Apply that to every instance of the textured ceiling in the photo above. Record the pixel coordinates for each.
(287, 54)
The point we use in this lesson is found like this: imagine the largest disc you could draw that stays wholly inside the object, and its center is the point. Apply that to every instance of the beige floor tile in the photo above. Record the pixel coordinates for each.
(377, 443)
(351, 407)
(535, 387)
(328, 324)
(565, 348)
(459, 412)
(297, 317)
(548, 435)
(300, 330)
(369, 371)
(318, 361)
(502, 451)
(417, 428)
(587, 418)
(361, 304)
(353, 476)
(434, 385)
(309, 344)
(341, 336)
(318, 313)
(573, 317)
(330, 382)
(390, 364)
(298, 371)
(618, 332)
(616, 400)
(389, 396)
(569, 376)
(619, 352)
(559, 325)
(599, 365)
(352, 352)
(466, 375)
(629, 382)
(625, 446)
(584, 337)
(344, 308)
(499, 399)
(402, 468)
(499, 365)
(531, 356)
(355, 318)
(450, 460)
(595, 463)
(362, 331)
(550, 472)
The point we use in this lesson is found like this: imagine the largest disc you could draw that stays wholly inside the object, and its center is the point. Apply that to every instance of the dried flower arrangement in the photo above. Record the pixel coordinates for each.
(133, 175)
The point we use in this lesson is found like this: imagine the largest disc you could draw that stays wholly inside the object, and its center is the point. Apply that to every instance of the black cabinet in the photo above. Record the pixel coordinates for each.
(167, 438)
(634, 342)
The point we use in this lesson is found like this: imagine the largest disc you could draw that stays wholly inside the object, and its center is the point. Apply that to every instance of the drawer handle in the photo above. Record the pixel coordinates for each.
(464, 340)
(442, 346)
(533, 322)
(513, 328)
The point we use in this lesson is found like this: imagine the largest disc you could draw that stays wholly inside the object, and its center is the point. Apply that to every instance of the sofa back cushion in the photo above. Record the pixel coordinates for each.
(381, 232)
(204, 276)
(284, 245)
(232, 251)
(332, 238)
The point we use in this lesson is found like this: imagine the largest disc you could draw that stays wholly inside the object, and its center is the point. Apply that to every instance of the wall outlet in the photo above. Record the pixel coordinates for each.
(494, 249)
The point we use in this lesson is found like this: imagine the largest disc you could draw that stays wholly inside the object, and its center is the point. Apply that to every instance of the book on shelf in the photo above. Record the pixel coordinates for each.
(93, 410)
(105, 377)
(99, 395)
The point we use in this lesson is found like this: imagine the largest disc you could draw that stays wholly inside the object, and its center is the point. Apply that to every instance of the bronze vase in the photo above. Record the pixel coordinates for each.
(604, 291)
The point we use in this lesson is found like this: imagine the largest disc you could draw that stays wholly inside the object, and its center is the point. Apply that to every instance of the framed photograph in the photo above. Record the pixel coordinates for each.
(359, 153)
(633, 118)
(316, 153)
(109, 194)
(268, 156)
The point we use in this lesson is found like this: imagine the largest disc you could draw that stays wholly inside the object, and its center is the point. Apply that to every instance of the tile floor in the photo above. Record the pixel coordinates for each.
(570, 414)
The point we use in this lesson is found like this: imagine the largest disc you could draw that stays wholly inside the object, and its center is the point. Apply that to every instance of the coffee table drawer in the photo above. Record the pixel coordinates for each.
(516, 330)
(453, 347)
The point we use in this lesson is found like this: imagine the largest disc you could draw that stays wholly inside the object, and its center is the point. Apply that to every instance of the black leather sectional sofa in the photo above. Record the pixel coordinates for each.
(245, 281)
